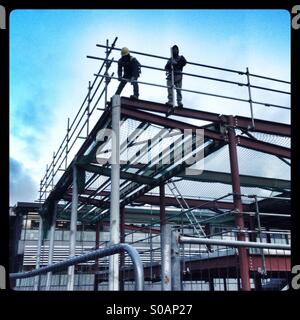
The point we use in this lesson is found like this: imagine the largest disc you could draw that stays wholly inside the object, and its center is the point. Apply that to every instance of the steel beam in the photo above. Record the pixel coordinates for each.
(123, 174)
(245, 180)
(193, 203)
(263, 147)
(169, 123)
(264, 126)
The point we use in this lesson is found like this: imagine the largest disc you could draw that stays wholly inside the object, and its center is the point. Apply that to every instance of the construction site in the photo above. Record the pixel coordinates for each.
(141, 195)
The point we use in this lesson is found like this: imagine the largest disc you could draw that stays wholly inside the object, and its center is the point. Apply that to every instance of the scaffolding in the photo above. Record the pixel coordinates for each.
(208, 219)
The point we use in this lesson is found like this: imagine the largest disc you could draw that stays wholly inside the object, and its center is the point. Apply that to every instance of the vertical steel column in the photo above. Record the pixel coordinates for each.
(122, 240)
(175, 260)
(115, 193)
(51, 246)
(165, 240)
(38, 255)
(73, 229)
(97, 244)
(239, 219)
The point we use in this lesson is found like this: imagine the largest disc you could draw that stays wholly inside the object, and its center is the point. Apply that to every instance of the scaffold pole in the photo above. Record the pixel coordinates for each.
(113, 283)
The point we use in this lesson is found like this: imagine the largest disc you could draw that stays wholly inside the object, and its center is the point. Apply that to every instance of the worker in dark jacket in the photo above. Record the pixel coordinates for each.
(178, 62)
(131, 71)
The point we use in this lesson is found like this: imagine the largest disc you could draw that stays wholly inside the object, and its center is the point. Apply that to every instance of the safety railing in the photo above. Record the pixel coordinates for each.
(246, 83)
(77, 128)
(96, 254)
(81, 122)
(219, 270)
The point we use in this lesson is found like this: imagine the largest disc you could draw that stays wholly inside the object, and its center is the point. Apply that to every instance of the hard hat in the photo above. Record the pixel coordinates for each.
(124, 51)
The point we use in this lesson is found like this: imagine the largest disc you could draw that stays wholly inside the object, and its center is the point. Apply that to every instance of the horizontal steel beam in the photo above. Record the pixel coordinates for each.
(269, 127)
(193, 203)
(263, 147)
(234, 243)
(175, 124)
(169, 123)
(246, 180)
(123, 174)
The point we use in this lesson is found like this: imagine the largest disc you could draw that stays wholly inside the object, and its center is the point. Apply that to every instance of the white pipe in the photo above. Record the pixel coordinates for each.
(113, 283)
(166, 257)
(234, 243)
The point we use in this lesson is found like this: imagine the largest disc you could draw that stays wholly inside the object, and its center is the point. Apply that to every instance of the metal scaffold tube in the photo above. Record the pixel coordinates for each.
(234, 243)
(115, 193)
(73, 229)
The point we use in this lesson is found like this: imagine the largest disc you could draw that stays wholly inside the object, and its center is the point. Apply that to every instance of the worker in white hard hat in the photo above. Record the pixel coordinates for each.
(131, 69)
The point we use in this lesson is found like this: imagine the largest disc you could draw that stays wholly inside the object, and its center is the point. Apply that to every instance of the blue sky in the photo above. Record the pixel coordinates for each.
(49, 71)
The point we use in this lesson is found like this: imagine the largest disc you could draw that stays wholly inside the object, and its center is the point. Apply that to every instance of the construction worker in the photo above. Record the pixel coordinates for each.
(177, 62)
(131, 71)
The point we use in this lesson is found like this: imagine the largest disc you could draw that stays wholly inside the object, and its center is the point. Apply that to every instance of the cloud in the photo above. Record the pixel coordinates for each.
(21, 186)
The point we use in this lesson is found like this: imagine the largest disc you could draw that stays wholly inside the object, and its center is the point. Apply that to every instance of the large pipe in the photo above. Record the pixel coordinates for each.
(239, 219)
(234, 243)
(113, 282)
(51, 246)
(165, 240)
(122, 240)
(73, 229)
(99, 253)
(175, 260)
(38, 256)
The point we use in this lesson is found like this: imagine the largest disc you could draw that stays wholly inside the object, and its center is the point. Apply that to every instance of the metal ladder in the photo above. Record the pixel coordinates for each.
(185, 208)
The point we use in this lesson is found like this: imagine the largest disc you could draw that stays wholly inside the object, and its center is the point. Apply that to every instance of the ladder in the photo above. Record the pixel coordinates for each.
(185, 208)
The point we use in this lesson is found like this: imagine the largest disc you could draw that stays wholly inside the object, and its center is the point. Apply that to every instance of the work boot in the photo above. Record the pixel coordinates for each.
(180, 105)
(134, 97)
(169, 103)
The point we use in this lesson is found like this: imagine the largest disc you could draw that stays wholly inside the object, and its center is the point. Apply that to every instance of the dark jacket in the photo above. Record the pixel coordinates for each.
(178, 66)
(129, 65)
